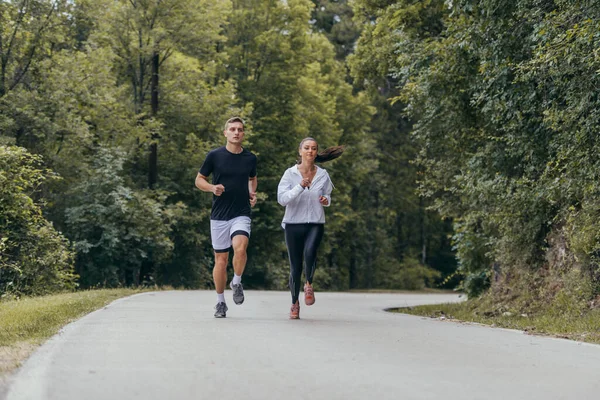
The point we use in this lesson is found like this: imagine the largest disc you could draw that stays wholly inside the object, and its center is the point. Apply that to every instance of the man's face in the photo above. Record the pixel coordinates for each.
(234, 132)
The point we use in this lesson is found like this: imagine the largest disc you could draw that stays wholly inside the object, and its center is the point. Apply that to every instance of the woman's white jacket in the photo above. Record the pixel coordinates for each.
(302, 204)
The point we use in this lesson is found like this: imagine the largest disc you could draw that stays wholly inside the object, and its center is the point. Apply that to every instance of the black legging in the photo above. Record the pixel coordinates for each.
(302, 241)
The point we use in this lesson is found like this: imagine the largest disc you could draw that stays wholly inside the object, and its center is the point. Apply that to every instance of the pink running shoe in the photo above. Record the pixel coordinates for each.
(295, 311)
(309, 295)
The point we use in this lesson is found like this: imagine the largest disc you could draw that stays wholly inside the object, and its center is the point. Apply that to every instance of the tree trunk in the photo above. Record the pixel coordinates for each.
(352, 273)
(352, 267)
(400, 243)
(2, 83)
(373, 248)
(153, 158)
(423, 231)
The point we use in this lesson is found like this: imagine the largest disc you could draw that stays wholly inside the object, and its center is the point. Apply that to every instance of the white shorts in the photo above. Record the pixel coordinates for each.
(221, 232)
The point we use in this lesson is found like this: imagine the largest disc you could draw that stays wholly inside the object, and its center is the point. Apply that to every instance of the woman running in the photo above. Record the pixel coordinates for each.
(304, 190)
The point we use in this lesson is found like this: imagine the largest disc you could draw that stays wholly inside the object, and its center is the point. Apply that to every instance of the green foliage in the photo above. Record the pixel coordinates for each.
(30, 31)
(117, 231)
(83, 102)
(34, 257)
(411, 274)
(503, 98)
(577, 325)
(192, 258)
(335, 20)
(137, 30)
(297, 89)
(472, 250)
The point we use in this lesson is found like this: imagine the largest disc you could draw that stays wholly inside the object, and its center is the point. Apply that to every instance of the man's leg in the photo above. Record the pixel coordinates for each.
(220, 271)
(239, 242)
(219, 233)
(220, 279)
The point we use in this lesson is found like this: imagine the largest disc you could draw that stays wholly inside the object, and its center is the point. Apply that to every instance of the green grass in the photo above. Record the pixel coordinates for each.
(409, 291)
(27, 322)
(38, 318)
(576, 326)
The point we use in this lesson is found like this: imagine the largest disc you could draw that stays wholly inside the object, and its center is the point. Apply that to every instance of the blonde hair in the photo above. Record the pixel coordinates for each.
(232, 120)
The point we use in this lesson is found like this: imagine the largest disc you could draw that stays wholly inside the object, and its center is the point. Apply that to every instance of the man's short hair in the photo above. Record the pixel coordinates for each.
(232, 120)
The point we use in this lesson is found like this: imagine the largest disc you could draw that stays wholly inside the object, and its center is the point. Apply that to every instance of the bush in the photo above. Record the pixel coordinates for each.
(410, 274)
(120, 234)
(34, 258)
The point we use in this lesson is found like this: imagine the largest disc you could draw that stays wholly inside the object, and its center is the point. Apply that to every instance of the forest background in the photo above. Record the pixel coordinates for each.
(471, 134)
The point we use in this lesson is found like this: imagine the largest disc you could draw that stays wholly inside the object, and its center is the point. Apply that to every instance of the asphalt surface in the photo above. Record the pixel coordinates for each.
(168, 345)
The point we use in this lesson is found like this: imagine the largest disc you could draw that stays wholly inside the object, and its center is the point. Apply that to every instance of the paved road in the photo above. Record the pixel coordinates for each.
(167, 345)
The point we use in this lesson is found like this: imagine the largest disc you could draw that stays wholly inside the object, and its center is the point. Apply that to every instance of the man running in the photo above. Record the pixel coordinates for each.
(233, 186)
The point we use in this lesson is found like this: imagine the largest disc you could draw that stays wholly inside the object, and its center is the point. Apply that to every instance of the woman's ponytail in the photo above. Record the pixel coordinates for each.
(330, 153)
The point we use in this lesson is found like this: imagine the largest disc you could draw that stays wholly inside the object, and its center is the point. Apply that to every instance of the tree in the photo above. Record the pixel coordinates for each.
(335, 20)
(490, 89)
(115, 229)
(297, 89)
(34, 257)
(145, 34)
(30, 31)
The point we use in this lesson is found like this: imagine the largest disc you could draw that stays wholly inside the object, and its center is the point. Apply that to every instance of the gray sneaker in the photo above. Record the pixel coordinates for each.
(238, 292)
(221, 310)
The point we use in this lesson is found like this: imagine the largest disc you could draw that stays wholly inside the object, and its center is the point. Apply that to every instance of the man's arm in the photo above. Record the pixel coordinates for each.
(203, 184)
(252, 185)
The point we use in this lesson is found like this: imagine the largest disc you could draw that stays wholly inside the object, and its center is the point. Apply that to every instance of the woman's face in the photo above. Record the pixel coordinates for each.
(308, 150)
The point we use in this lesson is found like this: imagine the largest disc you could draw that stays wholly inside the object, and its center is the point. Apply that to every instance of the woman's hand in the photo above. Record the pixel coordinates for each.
(323, 200)
(305, 183)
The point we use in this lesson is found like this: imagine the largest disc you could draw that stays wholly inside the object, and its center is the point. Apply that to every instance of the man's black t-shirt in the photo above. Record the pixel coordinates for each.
(232, 171)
